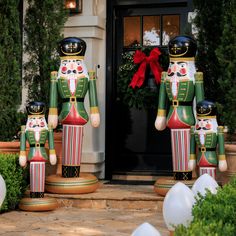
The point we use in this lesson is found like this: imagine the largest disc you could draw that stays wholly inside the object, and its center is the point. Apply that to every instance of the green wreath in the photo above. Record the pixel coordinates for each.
(145, 97)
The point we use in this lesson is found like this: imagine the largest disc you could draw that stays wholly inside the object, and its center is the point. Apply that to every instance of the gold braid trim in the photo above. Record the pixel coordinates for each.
(72, 57)
(221, 157)
(94, 110)
(22, 153)
(198, 76)
(53, 111)
(182, 59)
(23, 128)
(52, 151)
(161, 112)
(54, 74)
(192, 157)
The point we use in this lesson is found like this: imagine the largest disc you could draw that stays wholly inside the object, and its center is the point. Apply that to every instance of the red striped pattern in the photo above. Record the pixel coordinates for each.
(180, 143)
(37, 176)
(72, 145)
(208, 170)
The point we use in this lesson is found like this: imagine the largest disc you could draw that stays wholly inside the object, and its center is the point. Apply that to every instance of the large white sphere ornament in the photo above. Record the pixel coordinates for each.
(2, 190)
(177, 206)
(145, 229)
(204, 182)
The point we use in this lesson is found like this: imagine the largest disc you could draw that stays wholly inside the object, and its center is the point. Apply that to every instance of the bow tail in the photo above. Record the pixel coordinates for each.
(139, 76)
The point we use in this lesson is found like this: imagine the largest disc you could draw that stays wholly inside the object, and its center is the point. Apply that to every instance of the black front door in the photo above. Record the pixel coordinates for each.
(133, 145)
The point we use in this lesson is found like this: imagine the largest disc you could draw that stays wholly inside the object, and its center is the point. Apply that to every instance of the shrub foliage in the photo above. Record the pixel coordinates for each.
(10, 64)
(44, 22)
(15, 178)
(214, 214)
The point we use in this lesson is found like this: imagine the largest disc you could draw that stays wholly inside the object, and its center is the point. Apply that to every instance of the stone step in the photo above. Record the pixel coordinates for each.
(114, 196)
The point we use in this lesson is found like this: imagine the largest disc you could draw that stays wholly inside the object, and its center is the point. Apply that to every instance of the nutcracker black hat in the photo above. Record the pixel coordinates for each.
(35, 108)
(206, 108)
(72, 46)
(182, 46)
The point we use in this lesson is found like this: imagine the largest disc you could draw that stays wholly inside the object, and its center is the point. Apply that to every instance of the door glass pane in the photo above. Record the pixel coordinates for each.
(132, 31)
(151, 30)
(171, 27)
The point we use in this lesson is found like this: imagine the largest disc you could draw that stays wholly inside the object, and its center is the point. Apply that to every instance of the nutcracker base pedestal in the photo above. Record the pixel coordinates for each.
(38, 204)
(86, 183)
(163, 184)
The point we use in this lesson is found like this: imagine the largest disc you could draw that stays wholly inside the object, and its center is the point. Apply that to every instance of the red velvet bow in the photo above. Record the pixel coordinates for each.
(143, 60)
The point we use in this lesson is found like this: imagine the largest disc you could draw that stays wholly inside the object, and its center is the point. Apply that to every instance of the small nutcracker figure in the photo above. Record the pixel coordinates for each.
(208, 136)
(72, 82)
(36, 132)
(181, 85)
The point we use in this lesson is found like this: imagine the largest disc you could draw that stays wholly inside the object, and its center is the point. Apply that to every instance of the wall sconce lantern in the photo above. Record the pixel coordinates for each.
(74, 6)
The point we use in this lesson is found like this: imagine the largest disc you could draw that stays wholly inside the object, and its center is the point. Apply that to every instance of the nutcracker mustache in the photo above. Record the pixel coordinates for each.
(178, 74)
(202, 128)
(34, 126)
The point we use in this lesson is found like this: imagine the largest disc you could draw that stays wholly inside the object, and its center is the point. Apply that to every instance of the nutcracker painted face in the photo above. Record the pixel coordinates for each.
(206, 117)
(71, 67)
(178, 69)
(206, 125)
(36, 123)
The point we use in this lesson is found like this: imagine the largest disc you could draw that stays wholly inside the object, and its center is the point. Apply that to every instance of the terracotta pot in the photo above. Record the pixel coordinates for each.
(10, 147)
(230, 152)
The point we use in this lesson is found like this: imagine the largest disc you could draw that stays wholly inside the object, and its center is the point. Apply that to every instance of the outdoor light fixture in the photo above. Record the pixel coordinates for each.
(75, 6)
(177, 206)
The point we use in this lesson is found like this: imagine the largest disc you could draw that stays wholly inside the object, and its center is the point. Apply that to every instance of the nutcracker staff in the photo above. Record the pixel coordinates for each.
(72, 83)
(36, 132)
(208, 136)
(181, 85)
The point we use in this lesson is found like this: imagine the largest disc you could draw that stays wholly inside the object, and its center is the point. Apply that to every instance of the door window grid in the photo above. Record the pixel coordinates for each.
(150, 30)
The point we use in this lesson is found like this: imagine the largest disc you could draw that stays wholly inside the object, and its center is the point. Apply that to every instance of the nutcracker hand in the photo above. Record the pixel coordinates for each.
(22, 160)
(191, 164)
(95, 119)
(52, 121)
(53, 159)
(160, 123)
(222, 165)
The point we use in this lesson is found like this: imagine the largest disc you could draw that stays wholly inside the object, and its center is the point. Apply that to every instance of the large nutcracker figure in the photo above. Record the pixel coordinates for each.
(209, 137)
(72, 82)
(36, 133)
(181, 85)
